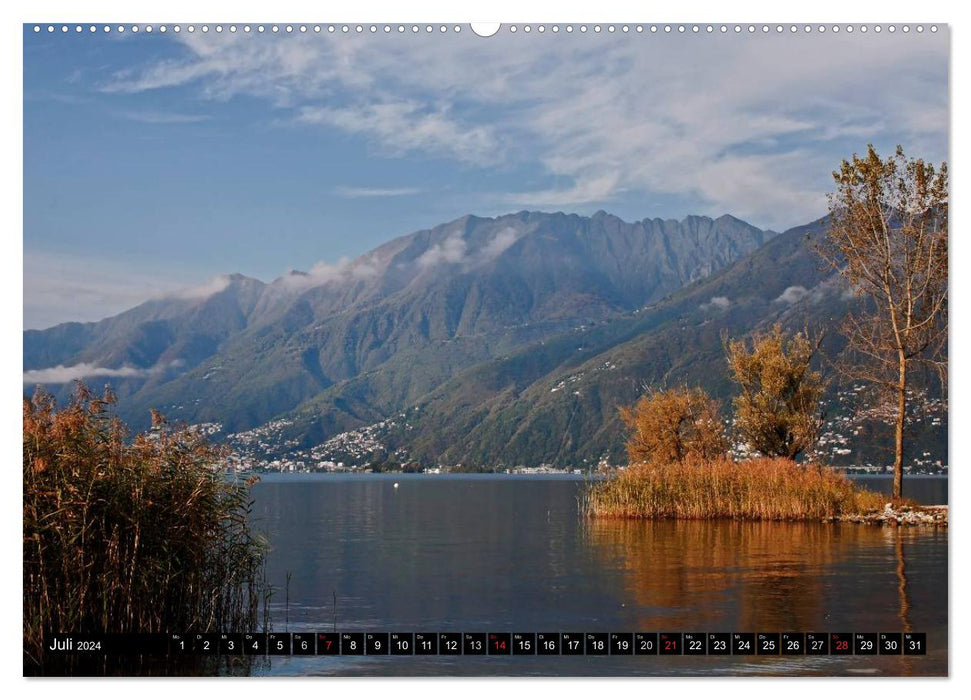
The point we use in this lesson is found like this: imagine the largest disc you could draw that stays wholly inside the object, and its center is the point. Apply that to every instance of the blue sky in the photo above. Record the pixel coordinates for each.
(153, 163)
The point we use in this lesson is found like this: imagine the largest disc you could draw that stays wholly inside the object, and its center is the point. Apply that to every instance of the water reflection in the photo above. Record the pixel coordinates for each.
(735, 576)
(479, 554)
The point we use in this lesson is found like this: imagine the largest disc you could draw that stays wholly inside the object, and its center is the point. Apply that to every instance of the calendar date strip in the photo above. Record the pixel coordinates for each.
(495, 644)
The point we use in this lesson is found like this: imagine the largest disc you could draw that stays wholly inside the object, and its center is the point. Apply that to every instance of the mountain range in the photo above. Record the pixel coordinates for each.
(507, 340)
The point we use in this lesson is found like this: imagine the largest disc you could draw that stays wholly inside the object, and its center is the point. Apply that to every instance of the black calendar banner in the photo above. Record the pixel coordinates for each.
(493, 644)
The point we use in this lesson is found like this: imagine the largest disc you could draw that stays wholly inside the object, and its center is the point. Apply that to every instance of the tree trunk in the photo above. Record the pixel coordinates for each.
(898, 457)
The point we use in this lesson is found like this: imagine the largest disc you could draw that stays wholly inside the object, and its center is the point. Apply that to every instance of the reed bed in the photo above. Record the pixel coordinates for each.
(121, 535)
(758, 489)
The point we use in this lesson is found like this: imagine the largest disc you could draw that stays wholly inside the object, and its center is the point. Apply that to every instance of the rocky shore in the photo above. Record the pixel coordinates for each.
(900, 515)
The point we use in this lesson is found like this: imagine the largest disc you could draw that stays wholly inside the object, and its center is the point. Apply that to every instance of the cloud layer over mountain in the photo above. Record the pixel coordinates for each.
(652, 113)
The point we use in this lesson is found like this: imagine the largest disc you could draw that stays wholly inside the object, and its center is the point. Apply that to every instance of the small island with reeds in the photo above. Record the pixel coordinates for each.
(680, 461)
(755, 489)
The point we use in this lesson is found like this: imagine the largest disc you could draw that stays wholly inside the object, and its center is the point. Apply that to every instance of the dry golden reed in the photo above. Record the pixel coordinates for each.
(122, 535)
(758, 489)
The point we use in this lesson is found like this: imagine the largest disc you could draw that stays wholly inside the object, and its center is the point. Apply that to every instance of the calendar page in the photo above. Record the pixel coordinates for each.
(517, 349)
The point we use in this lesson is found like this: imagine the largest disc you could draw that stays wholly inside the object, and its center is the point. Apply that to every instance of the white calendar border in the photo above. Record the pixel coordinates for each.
(604, 11)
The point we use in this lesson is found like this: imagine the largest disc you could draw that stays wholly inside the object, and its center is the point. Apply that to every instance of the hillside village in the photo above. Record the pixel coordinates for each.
(268, 449)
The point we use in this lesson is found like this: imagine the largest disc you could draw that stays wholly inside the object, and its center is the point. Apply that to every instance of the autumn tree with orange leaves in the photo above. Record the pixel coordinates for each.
(674, 426)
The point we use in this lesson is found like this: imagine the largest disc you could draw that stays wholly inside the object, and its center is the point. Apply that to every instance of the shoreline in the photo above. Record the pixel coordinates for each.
(554, 475)
(899, 516)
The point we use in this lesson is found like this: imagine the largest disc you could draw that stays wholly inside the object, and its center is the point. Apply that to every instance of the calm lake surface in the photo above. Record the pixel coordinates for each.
(468, 553)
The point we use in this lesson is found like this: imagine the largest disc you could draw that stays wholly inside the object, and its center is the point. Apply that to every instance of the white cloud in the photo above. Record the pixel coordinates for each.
(163, 117)
(361, 192)
(408, 126)
(501, 242)
(588, 187)
(452, 250)
(200, 291)
(362, 268)
(753, 125)
(62, 375)
(792, 294)
(324, 272)
(716, 303)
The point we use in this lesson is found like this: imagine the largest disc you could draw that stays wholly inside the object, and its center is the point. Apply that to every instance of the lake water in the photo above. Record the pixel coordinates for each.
(511, 554)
